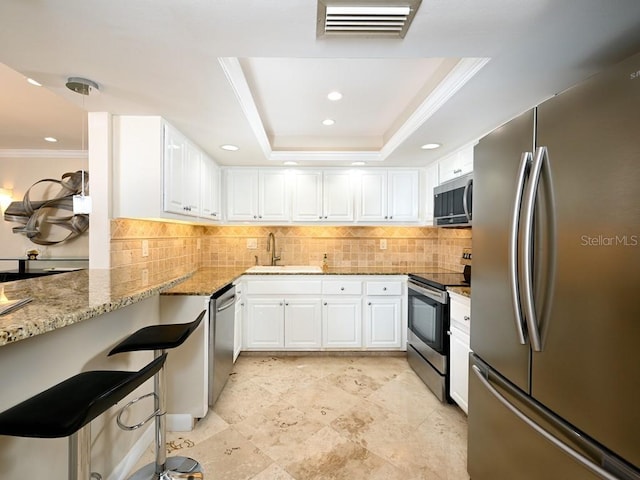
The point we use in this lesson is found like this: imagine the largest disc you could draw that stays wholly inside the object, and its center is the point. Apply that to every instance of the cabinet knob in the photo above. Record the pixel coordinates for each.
(287, 304)
(325, 303)
(320, 217)
(369, 303)
(280, 303)
(255, 216)
(391, 217)
(325, 217)
(448, 332)
(466, 318)
(386, 218)
(342, 288)
(384, 289)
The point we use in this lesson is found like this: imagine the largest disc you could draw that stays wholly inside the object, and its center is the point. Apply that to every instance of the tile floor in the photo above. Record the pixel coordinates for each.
(326, 417)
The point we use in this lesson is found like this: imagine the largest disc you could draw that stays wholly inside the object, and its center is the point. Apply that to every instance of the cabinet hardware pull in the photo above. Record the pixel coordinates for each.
(325, 303)
(466, 318)
(341, 288)
(384, 289)
(369, 303)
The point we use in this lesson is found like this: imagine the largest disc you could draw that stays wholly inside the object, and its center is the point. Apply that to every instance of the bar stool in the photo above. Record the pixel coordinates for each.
(67, 409)
(159, 338)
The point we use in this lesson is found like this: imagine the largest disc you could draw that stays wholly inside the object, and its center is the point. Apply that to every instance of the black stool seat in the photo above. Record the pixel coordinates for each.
(158, 337)
(68, 406)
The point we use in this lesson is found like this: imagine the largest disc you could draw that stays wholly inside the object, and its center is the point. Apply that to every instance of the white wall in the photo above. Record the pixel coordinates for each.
(19, 174)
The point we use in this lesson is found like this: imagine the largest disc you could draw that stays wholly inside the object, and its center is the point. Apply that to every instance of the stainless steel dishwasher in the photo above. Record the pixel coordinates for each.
(221, 331)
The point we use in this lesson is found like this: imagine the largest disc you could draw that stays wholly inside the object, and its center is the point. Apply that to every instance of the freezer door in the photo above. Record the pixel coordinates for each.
(494, 330)
(588, 369)
(517, 439)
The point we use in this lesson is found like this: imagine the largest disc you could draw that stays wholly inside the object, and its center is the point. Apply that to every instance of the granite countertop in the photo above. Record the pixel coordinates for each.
(68, 298)
(464, 291)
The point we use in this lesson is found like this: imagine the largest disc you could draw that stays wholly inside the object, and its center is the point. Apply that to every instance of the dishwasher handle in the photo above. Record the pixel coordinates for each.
(227, 304)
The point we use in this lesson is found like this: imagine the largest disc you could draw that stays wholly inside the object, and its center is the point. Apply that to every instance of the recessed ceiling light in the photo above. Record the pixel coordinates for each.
(430, 146)
(357, 164)
(229, 148)
(328, 122)
(34, 82)
(51, 139)
(289, 162)
(334, 96)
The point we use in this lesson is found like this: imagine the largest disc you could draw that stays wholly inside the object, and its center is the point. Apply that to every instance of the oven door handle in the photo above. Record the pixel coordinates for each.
(437, 295)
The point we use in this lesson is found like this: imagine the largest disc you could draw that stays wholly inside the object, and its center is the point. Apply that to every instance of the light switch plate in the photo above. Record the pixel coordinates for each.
(383, 244)
(252, 243)
(145, 248)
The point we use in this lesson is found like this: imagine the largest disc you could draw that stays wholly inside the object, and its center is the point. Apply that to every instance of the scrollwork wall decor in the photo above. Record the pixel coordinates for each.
(37, 216)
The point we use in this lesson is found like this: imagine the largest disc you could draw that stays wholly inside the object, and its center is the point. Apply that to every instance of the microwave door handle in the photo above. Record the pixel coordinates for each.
(465, 196)
(527, 249)
(525, 162)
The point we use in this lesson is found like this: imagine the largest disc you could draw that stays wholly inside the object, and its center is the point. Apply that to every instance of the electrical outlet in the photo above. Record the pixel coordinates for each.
(145, 248)
(145, 277)
(252, 243)
(383, 244)
(198, 244)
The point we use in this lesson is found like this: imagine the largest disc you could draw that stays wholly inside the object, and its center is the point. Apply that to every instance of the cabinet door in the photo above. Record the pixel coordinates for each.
(404, 195)
(456, 164)
(174, 154)
(210, 190)
(459, 379)
(191, 179)
(302, 323)
(242, 195)
(431, 182)
(273, 199)
(337, 203)
(238, 323)
(342, 322)
(373, 196)
(383, 323)
(265, 324)
(307, 196)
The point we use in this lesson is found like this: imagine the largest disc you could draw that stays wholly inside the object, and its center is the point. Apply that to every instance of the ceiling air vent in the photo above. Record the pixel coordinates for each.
(374, 19)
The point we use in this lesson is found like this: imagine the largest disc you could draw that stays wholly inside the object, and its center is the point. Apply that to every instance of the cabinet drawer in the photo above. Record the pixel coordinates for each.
(384, 288)
(460, 314)
(288, 287)
(341, 288)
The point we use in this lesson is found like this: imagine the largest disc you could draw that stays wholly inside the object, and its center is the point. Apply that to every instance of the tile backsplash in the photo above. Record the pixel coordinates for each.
(182, 247)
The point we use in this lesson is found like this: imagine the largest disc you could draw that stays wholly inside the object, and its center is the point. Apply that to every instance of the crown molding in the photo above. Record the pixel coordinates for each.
(463, 71)
(41, 153)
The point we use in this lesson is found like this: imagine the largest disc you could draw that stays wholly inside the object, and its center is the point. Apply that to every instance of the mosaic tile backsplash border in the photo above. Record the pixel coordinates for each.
(182, 247)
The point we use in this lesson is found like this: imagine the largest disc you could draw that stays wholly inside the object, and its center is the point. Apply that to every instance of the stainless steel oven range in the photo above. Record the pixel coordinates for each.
(427, 340)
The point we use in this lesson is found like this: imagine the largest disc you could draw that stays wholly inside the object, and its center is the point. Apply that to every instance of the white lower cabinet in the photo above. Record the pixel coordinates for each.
(265, 323)
(383, 322)
(238, 321)
(302, 323)
(318, 312)
(342, 322)
(459, 349)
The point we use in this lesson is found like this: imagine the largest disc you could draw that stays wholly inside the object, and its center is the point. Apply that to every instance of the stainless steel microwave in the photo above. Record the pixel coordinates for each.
(453, 202)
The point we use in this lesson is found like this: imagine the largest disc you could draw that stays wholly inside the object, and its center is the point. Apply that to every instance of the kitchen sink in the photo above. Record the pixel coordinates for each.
(285, 269)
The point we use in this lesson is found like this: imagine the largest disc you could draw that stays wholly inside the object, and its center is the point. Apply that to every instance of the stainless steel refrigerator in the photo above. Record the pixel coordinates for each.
(554, 381)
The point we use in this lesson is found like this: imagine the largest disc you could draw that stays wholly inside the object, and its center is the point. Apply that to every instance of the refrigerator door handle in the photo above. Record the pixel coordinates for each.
(577, 456)
(527, 249)
(525, 162)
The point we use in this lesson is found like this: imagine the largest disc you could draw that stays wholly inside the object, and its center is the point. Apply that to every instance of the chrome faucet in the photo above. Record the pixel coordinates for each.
(271, 247)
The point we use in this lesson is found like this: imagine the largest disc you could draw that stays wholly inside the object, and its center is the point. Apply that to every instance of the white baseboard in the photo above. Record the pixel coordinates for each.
(179, 422)
(123, 469)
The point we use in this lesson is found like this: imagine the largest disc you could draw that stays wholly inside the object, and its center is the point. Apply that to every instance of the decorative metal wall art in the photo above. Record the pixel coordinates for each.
(37, 216)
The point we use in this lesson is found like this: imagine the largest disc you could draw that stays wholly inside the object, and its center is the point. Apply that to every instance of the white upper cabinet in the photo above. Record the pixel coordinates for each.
(158, 172)
(456, 164)
(255, 195)
(210, 190)
(322, 196)
(431, 174)
(390, 195)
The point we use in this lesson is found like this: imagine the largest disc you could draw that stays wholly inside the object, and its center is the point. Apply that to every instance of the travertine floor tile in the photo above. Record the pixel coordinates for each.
(326, 418)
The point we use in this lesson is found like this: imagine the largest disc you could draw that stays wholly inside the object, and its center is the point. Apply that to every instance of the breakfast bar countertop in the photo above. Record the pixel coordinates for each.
(67, 298)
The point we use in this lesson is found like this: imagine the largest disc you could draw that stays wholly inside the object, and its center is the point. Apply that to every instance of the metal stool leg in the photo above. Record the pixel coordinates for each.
(172, 468)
